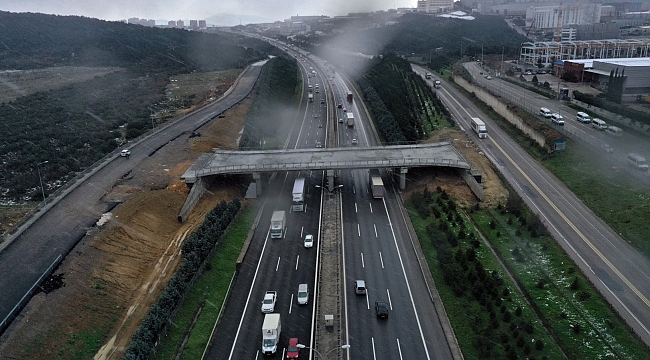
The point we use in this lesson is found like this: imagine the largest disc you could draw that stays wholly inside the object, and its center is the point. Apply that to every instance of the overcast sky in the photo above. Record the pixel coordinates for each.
(199, 9)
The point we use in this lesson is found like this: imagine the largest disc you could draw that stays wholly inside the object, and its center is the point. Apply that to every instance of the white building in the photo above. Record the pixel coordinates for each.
(435, 6)
(547, 17)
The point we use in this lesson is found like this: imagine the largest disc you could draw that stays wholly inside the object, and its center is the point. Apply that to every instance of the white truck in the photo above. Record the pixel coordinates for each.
(268, 304)
(436, 84)
(479, 128)
(298, 195)
(278, 222)
(310, 97)
(350, 119)
(271, 329)
(376, 184)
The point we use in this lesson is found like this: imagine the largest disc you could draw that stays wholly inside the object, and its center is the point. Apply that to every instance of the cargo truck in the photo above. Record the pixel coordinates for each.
(350, 96)
(278, 222)
(350, 119)
(271, 329)
(376, 184)
(298, 194)
(479, 128)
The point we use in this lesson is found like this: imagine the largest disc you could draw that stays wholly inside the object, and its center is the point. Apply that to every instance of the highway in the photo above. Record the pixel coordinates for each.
(618, 270)
(376, 247)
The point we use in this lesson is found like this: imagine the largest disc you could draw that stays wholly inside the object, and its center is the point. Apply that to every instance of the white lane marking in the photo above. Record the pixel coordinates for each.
(399, 348)
(381, 259)
(278, 264)
(297, 261)
(358, 230)
(302, 228)
(374, 353)
(291, 306)
(390, 302)
(363, 264)
(408, 285)
(375, 226)
(250, 292)
(355, 208)
(371, 208)
(367, 299)
(354, 189)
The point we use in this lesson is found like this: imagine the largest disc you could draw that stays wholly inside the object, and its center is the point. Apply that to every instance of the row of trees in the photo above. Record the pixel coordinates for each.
(196, 251)
(500, 329)
(275, 91)
(403, 105)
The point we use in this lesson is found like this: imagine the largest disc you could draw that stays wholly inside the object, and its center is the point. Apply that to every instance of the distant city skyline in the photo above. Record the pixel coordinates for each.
(164, 10)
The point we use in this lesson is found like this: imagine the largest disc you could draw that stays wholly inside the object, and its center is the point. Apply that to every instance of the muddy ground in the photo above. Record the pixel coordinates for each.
(118, 270)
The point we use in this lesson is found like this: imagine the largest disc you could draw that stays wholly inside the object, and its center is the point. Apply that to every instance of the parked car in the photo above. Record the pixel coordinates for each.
(309, 241)
(293, 351)
(381, 308)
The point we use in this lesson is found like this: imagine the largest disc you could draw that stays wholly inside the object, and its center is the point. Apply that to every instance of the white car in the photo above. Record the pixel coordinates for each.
(125, 153)
(309, 241)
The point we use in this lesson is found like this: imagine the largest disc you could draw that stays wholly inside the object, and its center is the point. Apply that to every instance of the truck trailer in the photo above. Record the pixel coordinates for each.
(271, 329)
(278, 222)
(350, 96)
(376, 184)
(479, 128)
(350, 121)
(298, 195)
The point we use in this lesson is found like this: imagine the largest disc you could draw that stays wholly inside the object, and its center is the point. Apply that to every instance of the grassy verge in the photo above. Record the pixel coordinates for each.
(581, 320)
(490, 318)
(208, 293)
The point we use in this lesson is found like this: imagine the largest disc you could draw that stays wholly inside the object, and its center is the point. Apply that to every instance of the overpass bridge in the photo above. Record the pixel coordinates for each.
(401, 157)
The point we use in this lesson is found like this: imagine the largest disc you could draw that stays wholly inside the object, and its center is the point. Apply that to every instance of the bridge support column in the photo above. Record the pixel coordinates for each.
(258, 182)
(402, 177)
(330, 180)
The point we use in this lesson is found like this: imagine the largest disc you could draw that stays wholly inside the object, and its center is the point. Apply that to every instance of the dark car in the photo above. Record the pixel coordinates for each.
(293, 351)
(381, 308)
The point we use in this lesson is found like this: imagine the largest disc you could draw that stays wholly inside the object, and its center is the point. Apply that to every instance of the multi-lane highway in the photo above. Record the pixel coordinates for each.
(618, 270)
(376, 247)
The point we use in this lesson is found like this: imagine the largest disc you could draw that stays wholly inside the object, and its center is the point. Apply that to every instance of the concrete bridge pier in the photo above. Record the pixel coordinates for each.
(402, 177)
(258, 182)
(330, 180)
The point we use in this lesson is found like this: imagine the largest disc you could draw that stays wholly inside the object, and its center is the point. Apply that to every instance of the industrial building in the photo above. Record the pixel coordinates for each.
(636, 73)
(547, 52)
(435, 6)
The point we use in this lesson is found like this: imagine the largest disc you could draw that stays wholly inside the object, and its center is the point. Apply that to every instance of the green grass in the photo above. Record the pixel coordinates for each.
(465, 313)
(547, 274)
(209, 292)
(597, 185)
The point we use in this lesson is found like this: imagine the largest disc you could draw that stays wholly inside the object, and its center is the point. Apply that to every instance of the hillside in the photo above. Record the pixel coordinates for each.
(72, 123)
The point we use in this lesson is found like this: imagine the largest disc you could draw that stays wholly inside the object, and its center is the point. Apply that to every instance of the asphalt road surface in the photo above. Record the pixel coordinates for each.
(618, 270)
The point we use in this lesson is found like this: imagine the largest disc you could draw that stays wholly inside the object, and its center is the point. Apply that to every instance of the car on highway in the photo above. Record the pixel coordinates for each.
(293, 351)
(340, 105)
(354, 141)
(125, 153)
(489, 77)
(303, 294)
(319, 144)
(345, 110)
(359, 287)
(381, 308)
(309, 241)
(340, 120)
(557, 119)
(320, 125)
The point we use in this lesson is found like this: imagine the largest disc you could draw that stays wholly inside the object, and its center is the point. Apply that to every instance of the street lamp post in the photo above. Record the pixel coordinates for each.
(301, 346)
(38, 168)
(328, 190)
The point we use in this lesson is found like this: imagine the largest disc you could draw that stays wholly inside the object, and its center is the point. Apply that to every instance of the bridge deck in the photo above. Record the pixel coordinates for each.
(245, 162)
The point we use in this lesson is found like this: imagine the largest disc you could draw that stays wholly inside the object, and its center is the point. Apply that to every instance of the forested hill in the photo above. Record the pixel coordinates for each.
(30, 40)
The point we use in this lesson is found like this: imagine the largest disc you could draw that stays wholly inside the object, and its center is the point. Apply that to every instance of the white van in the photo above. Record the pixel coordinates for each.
(598, 124)
(583, 117)
(637, 161)
(614, 131)
(557, 119)
(545, 112)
